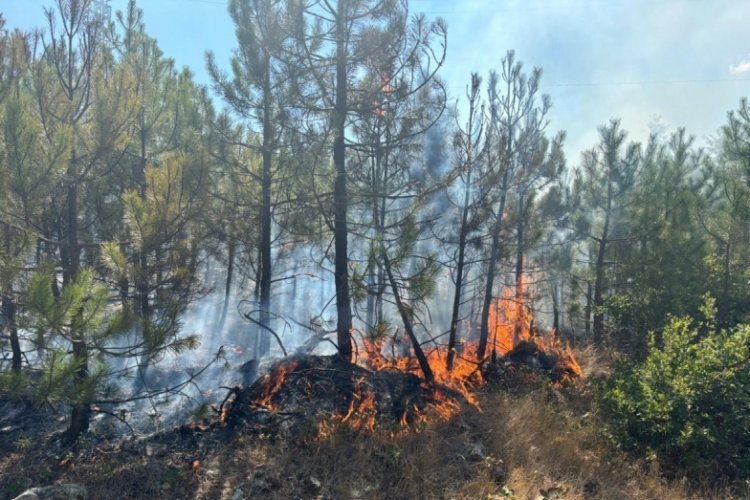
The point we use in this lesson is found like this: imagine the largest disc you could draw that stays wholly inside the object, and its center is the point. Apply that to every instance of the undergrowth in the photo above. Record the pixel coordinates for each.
(530, 439)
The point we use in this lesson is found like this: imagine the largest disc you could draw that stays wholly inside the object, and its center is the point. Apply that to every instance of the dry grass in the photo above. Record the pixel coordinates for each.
(597, 362)
(348, 465)
(536, 440)
(545, 446)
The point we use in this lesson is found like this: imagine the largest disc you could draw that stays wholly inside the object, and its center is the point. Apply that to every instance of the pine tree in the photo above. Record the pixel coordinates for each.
(255, 92)
(518, 159)
(606, 180)
(469, 153)
(340, 29)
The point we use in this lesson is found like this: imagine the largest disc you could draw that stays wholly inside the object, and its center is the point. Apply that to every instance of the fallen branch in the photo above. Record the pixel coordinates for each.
(275, 335)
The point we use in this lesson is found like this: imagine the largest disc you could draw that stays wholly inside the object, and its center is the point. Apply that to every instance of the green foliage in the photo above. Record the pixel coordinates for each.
(79, 314)
(80, 306)
(101, 140)
(662, 267)
(14, 385)
(688, 403)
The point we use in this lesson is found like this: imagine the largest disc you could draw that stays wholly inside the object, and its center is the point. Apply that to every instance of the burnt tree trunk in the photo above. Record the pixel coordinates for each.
(463, 232)
(556, 292)
(464, 228)
(376, 281)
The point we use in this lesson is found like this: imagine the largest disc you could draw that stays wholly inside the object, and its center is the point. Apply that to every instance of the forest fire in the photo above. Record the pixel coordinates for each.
(385, 388)
(272, 382)
(514, 335)
(510, 322)
(361, 412)
(464, 378)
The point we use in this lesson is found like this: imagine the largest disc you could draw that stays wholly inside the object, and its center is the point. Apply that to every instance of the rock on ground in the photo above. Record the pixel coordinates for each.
(55, 492)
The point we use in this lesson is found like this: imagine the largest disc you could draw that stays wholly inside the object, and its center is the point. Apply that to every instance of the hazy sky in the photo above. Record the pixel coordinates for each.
(667, 62)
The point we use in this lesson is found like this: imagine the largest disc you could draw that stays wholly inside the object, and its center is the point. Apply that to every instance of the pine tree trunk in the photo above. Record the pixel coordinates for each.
(724, 304)
(144, 307)
(588, 308)
(228, 284)
(79, 420)
(599, 283)
(464, 229)
(497, 228)
(64, 259)
(9, 313)
(370, 314)
(340, 230)
(80, 416)
(381, 283)
(375, 275)
(265, 215)
(142, 286)
(520, 292)
(555, 308)
(462, 235)
(141, 257)
(408, 326)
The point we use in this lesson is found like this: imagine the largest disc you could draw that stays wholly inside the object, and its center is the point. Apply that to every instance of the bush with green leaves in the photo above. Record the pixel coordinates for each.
(688, 403)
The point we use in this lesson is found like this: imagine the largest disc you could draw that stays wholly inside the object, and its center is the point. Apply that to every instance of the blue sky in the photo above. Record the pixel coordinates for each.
(663, 63)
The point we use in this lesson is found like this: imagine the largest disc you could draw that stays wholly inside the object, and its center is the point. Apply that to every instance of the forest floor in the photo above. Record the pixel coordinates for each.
(530, 440)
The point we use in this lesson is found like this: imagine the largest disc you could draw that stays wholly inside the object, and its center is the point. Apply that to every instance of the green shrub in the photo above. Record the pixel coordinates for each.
(688, 403)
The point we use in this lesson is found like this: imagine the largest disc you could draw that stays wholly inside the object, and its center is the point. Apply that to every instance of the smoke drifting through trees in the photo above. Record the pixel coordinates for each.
(333, 200)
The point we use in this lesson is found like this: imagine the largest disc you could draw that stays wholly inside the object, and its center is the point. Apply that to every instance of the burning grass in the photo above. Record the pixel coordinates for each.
(385, 392)
(306, 396)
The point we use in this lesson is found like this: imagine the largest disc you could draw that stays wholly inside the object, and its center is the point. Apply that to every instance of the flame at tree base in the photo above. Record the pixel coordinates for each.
(387, 393)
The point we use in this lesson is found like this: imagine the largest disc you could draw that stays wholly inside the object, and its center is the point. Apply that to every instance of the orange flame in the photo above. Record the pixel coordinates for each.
(464, 377)
(569, 363)
(362, 411)
(511, 322)
(272, 383)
